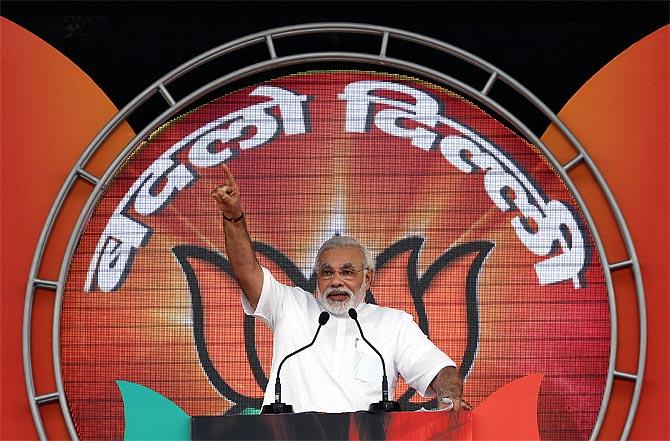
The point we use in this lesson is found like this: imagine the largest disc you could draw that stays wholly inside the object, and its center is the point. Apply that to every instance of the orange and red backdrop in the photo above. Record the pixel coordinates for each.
(35, 162)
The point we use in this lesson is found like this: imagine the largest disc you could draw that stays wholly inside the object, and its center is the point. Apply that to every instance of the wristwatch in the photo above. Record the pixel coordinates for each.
(448, 401)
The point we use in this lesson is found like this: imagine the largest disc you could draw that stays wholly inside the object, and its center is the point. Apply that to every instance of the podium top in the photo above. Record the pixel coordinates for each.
(336, 426)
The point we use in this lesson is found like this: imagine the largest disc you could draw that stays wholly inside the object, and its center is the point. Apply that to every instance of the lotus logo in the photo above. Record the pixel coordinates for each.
(475, 252)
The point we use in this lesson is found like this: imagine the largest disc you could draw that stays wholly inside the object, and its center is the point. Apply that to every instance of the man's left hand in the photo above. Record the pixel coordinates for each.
(448, 386)
(453, 403)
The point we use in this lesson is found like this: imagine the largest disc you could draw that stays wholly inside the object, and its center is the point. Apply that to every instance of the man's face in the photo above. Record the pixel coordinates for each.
(341, 281)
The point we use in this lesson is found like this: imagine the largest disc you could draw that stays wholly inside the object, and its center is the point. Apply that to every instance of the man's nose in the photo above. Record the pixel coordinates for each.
(337, 280)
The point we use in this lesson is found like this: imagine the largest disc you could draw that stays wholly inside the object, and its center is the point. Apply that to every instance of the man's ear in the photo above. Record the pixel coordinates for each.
(369, 277)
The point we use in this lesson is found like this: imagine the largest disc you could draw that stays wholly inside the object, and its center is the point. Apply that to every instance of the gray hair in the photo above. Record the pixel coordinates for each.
(347, 241)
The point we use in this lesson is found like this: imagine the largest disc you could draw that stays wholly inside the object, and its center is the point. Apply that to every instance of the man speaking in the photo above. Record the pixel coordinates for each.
(340, 372)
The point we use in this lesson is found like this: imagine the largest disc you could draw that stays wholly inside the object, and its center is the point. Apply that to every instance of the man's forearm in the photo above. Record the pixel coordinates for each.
(242, 259)
(240, 252)
(448, 383)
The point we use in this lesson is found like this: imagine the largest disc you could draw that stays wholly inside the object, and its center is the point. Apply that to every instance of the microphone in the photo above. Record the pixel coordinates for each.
(384, 405)
(278, 406)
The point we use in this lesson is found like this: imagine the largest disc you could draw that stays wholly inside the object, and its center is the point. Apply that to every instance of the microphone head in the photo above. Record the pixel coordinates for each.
(323, 318)
(353, 314)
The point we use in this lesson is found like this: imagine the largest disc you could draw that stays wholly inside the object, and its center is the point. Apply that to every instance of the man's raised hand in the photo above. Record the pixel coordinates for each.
(227, 195)
(239, 249)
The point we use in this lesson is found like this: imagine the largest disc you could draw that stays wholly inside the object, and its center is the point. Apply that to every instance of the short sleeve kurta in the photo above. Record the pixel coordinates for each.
(341, 373)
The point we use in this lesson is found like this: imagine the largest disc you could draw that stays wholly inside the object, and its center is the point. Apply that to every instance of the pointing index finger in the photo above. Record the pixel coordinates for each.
(228, 175)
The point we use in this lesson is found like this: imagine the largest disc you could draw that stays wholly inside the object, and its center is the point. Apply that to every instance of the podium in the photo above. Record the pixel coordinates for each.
(336, 426)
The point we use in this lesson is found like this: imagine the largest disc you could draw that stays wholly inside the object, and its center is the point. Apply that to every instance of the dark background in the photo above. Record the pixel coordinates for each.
(552, 48)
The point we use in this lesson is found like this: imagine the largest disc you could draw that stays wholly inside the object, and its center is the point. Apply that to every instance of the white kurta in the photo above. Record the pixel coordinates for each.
(341, 373)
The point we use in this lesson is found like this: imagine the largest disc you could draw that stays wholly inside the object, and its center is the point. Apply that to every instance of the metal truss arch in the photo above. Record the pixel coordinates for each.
(275, 60)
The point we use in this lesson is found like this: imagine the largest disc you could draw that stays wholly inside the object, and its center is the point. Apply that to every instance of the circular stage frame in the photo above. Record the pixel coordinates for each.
(385, 37)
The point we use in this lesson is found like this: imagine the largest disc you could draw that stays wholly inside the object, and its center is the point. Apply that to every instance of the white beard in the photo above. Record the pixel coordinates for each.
(340, 308)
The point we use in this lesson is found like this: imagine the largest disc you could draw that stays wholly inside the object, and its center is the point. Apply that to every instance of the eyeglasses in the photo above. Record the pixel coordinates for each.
(327, 273)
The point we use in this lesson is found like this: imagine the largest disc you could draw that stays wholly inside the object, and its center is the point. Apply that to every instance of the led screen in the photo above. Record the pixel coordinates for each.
(475, 234)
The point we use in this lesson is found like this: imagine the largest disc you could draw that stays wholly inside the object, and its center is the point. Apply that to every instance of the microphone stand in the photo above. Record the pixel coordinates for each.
(385, 405)
(278, 407)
